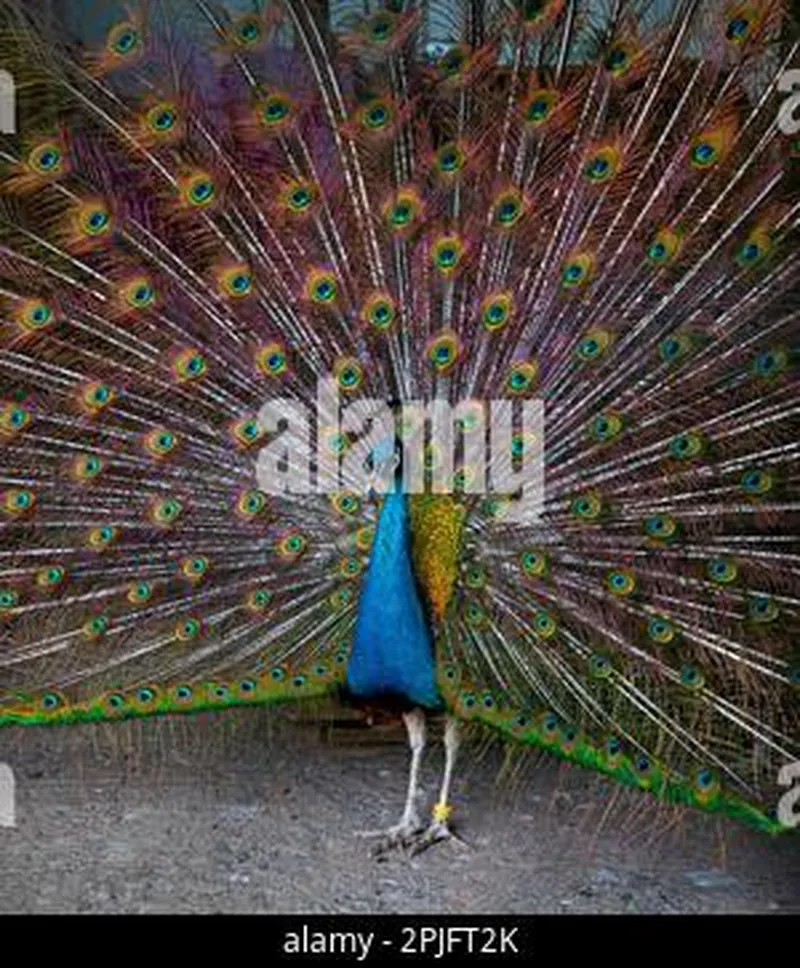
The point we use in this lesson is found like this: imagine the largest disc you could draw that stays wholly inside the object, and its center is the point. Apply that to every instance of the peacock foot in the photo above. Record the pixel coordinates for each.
(399, 836)
(438, 830)
(412, 837)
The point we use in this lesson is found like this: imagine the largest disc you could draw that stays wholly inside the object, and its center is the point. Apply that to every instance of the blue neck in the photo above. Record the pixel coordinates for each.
(392, 650)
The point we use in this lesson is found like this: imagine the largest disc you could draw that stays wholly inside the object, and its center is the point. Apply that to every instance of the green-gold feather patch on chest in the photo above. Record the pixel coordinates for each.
(437, 523)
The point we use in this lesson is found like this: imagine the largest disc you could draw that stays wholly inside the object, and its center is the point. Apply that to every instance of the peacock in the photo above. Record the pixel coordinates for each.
(435, 356)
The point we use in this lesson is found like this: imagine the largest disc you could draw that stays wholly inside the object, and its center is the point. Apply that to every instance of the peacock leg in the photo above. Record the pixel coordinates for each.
(439, 829)
(410, 825)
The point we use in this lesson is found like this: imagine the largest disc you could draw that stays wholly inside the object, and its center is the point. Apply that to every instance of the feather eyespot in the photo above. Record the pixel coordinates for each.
(138, 293)
(251, 504)
(379, 312)
(521, 377)
(195, 568)
(660, 630)
(686, 446)
(102, 538)
(166, 512)
(576, 271)
(35, 316)
(539, 106)
(756, 483)
(86, 467)
(321, 287)
(380, 27)
(51, 577)
(275, 112)
(739, 25)
(447, 253)
(600, 666)
(620, 582)
(618, 60)
(189, 365)
(660, 527)
(187, 629)
(299, 197)
(247, 32)
(496, 312)
(449, 159)
(140, 592)
(349, 375)
(691, 677)
(162, 118)
(606, 427)
(443, 352)
(124, 40)
(292, 545)
(587, 507)
(602, 165)
(14, 419)
(347, 503)
(9, 600)
(762, 609)
(722, 571)
(544, 626)
(160, 442)
(46, 159)
(534, 563)
(377, 116)
(51, 701)
(507, 209)
(770, 363)
(259, 600)
(271, 360)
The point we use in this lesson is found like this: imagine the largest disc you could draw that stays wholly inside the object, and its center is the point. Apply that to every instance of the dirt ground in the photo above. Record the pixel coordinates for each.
(246, 812)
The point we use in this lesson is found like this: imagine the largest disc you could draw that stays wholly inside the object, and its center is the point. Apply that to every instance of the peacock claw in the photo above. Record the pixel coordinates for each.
(395, 837)
(412, 838)
(433, 834)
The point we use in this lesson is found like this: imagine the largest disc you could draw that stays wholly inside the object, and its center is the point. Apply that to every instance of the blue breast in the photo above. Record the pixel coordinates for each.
(392, 650)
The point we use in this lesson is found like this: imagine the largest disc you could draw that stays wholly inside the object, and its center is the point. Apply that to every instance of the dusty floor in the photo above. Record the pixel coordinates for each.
(246, 813)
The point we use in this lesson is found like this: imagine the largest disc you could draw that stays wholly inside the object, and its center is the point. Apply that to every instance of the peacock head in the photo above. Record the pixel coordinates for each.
(384, 463)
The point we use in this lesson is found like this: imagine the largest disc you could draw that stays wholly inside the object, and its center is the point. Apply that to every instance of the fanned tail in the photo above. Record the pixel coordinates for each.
(592, 204)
